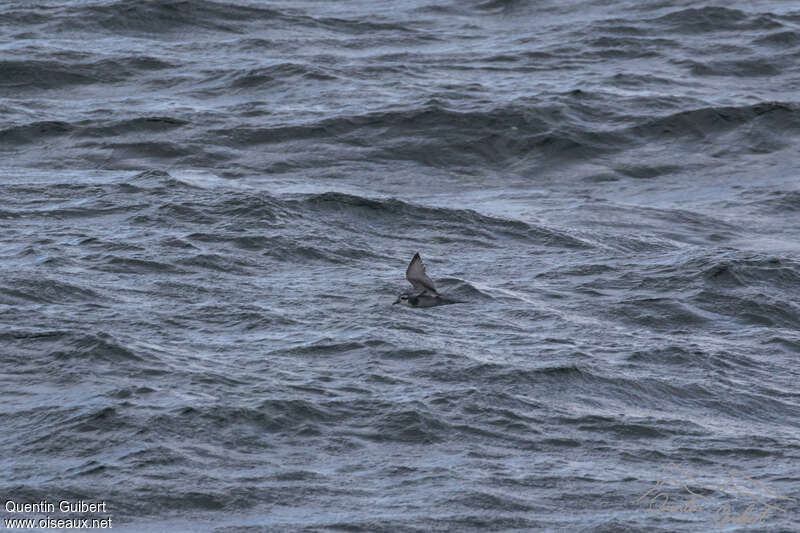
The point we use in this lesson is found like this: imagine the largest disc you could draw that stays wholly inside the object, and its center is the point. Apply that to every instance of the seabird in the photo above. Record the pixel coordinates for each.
(424, 293)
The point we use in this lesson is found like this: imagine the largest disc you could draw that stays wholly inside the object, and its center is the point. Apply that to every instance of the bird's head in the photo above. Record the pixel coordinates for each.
(402, 299)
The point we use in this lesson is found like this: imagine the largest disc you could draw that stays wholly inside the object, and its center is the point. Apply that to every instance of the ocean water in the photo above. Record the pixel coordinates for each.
(207, 212)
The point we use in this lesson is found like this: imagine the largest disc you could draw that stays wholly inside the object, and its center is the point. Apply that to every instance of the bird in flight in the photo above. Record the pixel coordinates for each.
(424, 293)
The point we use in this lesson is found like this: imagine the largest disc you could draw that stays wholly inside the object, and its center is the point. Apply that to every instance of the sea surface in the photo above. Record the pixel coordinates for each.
(207, 209)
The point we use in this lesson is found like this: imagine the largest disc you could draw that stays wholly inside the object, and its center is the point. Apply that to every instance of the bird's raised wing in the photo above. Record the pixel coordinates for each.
(415, 274)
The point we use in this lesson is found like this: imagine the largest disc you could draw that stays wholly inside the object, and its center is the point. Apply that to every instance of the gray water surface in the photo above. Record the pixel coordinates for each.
(208, 208)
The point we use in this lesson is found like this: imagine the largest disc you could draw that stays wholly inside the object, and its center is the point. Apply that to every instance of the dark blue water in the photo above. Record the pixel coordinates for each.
(207, 212)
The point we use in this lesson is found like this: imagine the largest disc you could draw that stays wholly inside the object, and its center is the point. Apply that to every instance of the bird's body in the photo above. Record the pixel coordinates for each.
(424, 300)
(424, 293)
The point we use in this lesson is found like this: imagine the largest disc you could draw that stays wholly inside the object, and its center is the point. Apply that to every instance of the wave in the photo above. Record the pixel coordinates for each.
(416, 426)
(165, 18)
(779, 202)
(280, 74)
(709, 291)
(19, 75)
(34, 132)
(436, 136)
(756, 67)
(42, 290)
(172, 19)
(97, 347)
(780, 39)
(386, 216)
(521, 137)
(273, 416)
(135, 125)
(710, 19)
(708, 121)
